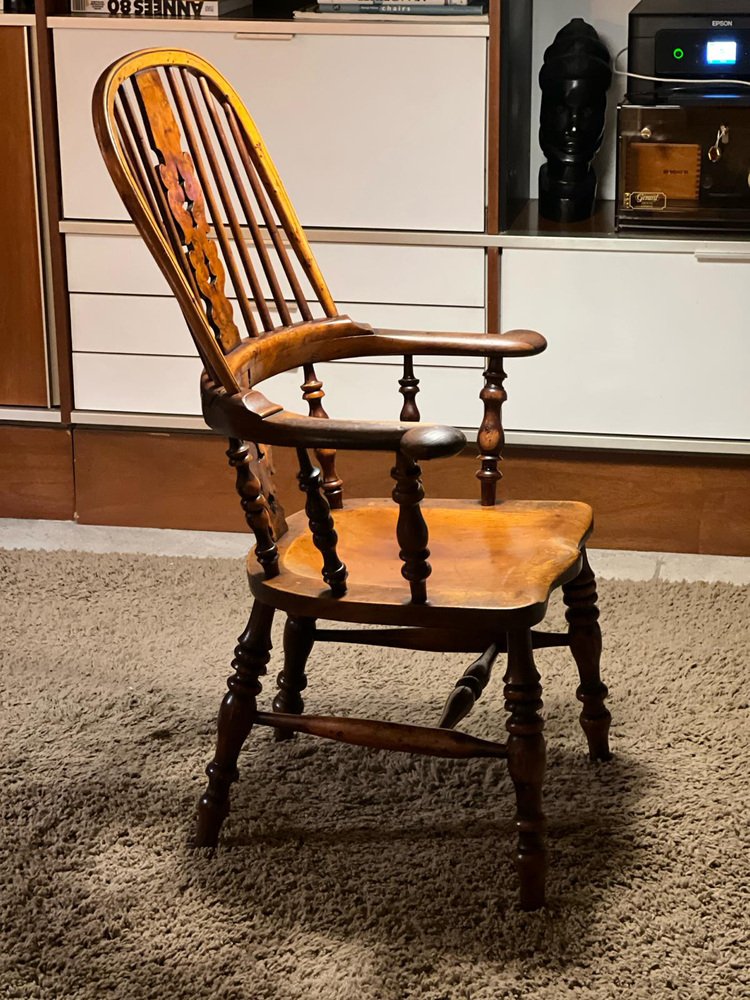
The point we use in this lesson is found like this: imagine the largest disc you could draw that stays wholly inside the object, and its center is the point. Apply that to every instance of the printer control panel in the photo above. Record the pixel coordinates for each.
(703, 53)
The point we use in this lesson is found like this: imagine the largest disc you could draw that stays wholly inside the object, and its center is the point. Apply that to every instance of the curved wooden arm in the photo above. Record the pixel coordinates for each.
(250, 416)
(514, 343)
(339, 338)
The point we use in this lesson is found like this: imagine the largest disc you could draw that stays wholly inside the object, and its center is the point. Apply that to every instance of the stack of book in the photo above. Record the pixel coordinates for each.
(164, 8)
(392, 9)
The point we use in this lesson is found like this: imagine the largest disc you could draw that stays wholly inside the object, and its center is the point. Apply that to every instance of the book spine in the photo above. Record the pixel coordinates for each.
(151, 8)
(400, 3)
(374, 7)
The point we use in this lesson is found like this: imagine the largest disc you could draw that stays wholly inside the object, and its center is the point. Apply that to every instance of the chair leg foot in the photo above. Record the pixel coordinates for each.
(585, 638)
(235, 722)
(299, 636)
(526, 765)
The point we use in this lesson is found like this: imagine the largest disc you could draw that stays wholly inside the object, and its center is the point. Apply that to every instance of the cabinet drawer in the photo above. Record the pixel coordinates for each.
(650, 344)
(136, 383)
(350, 155)
(355, 272)
(141, 324)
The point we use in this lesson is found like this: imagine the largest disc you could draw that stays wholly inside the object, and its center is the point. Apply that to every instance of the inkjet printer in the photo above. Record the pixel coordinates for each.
(684, 135)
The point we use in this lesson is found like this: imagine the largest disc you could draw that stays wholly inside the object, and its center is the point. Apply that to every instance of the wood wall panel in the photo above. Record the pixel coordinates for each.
(142, 479)
(23, 363)
(51, 167)
(663, 503)
(641, 501)
(36, 472)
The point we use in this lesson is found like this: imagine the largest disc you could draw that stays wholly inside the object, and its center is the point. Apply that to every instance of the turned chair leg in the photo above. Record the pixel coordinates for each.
(235, 722)
(299, 636)
(526, 764)
(586, 646)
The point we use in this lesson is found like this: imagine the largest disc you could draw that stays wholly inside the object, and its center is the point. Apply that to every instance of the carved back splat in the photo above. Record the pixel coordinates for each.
(192, 168)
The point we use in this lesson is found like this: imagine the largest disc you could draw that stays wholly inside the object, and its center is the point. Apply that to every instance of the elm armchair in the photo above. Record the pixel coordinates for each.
(459, 576)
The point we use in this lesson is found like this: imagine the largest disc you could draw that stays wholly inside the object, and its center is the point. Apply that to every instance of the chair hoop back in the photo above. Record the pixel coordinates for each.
(193, 171)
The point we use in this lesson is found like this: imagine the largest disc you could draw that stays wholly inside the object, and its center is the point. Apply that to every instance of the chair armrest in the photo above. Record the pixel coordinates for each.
(339, 338)
(250, 416)
(514, 343)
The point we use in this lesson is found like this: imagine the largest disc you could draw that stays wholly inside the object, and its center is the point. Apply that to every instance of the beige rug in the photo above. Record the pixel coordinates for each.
(347, 873)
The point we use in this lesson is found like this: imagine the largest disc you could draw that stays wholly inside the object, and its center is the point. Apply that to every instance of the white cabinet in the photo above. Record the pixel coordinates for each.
(132, 351)
(647, 344)
(367, 131)
(355, 272)
(381, 131)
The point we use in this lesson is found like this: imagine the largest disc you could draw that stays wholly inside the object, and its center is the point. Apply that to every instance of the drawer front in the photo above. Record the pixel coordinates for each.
(350, 155)
(140, 324)
(155, 384)
(362, 272)
(651, 344)
(136, 383)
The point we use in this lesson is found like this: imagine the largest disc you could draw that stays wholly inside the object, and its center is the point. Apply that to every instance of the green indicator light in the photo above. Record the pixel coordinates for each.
(678, 54)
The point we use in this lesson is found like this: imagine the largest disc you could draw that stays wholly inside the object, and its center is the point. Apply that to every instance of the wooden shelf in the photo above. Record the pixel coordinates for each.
(529, 230)
(256, 26)
(17, 20)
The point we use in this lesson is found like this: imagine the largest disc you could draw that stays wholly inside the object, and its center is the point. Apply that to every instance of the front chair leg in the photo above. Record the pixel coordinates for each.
(586, 646)
(526, 764)
(299, 636)
(236, 717)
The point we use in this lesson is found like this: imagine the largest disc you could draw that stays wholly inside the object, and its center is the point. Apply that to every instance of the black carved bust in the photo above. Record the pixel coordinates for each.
(574, 78)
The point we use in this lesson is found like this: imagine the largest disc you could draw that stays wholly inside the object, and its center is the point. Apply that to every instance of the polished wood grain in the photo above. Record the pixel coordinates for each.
(409, 387)
(524, 549)
(23, 361)
(236, 716)
(435, 639)
(494, 98)
(52, 196)
(129, 478)
(255, 506)
(411, 527)
(526, 765)
(185, 155)
(312, 394)
(320, 522)
(491, 438)
(146, 494)
(640, 497)
(36, 472)
(387, 735)
(585, 634)
(299, 637)
(469, 688)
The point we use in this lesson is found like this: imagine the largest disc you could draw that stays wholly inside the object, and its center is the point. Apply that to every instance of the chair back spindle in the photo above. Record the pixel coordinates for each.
(193, 171)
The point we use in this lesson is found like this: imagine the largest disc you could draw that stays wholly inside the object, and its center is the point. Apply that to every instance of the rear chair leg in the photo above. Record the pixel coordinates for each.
(526, 764)
(236, 717)
(586, 646)
(299, 636)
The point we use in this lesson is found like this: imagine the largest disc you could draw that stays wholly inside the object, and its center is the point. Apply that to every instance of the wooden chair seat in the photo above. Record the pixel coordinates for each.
(491, 566)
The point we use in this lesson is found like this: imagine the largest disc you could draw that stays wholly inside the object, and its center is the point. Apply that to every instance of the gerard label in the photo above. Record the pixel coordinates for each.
(653, 200)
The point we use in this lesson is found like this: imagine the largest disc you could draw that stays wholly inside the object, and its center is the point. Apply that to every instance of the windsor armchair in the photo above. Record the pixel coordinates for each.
(200, 186)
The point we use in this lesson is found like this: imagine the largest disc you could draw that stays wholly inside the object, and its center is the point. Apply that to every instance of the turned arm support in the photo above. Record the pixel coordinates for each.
(251, 417)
